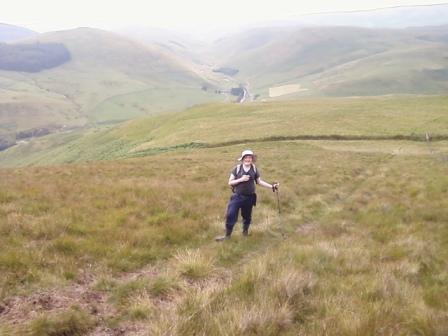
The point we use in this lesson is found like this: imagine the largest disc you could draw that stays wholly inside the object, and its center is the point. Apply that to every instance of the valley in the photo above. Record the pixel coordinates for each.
(112, 78)
(115, 154)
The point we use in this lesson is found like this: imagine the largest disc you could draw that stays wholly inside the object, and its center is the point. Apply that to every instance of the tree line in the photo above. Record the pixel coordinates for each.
(32, 57)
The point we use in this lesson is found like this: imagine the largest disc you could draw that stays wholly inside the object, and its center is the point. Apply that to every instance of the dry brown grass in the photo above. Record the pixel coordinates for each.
(365, 250)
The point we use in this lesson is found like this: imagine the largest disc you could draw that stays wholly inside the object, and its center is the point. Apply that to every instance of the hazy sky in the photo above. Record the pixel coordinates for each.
(45, 15)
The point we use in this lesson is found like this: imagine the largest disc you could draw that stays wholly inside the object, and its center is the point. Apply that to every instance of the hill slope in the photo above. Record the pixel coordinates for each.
(126, 247)
(108, 78)
(223, 124)
(339, 60)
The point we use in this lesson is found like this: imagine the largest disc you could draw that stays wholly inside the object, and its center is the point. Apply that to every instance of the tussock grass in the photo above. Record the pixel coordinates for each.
(164, 285)
(126, 291)
(141, 308)
(194, 265)
(361, 269)
(264, 320)
(365, 250)
(71, 323)
(105, 283)
(239, 308)
(114, 218)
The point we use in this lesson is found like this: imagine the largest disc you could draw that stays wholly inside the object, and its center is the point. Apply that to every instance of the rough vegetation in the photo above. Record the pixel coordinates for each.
(110, 230)
(126, 247)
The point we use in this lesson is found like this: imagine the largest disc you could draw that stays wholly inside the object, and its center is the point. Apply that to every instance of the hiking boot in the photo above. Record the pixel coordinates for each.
(245, 230)
(224, 237)
(221, 238)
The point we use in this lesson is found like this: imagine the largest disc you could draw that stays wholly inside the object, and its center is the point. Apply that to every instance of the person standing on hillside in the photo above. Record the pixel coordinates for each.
(243, 178)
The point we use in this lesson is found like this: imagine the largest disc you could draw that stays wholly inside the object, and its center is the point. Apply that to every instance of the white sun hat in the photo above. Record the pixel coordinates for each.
(247, 152)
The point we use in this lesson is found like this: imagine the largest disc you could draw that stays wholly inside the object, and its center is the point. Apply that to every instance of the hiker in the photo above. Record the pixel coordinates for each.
(242, 180)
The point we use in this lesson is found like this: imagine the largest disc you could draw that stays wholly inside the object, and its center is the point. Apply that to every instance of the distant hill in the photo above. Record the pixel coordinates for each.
(32, 57)
(339, 60)
(108, 78)
(11, 33)
(170, 41)
(191, 52)
(84, 77)
(392, 17)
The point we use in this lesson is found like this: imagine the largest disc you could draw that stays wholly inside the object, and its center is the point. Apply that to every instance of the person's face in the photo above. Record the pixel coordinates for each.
(247, 160)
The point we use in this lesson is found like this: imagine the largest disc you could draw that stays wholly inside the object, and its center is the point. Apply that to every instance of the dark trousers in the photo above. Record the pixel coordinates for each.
(237, 202)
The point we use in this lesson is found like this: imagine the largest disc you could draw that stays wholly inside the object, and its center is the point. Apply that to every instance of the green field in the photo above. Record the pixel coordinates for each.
(126, 246)
(150, 101)
(218, 124)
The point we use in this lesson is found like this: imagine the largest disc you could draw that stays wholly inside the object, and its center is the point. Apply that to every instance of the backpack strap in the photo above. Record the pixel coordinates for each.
(237, 170)
(239, 166)
(235, 173)
(255, 171)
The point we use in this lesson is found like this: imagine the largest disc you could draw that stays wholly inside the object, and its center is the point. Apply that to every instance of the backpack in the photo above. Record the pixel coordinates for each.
(238, 169)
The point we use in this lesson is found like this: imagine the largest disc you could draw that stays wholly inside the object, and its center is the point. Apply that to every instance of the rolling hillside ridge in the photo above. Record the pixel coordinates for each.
(107, 79)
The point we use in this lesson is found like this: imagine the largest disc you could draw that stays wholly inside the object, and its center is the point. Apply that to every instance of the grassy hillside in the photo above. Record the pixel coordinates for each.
(190, 49)
(103, 68)
(111, 78)
(339, 60)
(413, 70)
(214, 124)
(127, 246)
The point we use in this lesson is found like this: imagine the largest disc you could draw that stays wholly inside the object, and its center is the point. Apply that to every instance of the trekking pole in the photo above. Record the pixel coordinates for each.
(279, 213)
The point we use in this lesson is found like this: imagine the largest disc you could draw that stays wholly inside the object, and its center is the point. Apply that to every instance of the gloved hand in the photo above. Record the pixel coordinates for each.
(275, 186)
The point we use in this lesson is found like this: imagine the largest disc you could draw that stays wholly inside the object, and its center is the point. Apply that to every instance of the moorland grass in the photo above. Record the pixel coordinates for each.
(71, 323)
(365, 249)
